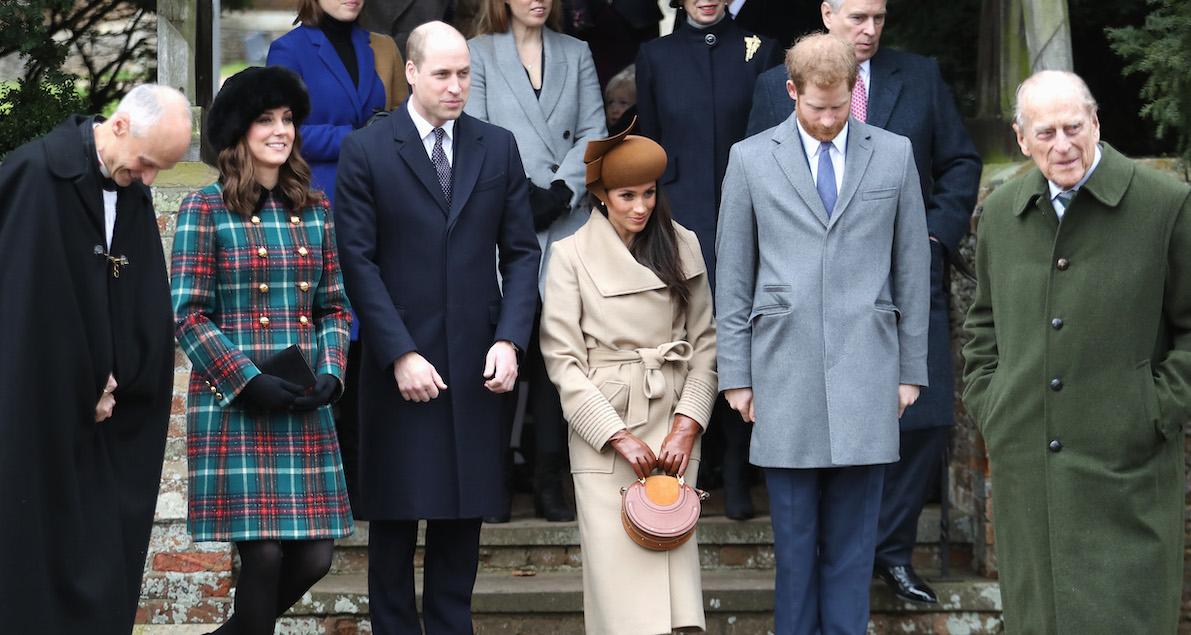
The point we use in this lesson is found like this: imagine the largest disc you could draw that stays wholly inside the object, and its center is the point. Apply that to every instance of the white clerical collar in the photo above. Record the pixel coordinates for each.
(425, 127)
(1055, 190)
(103, 169)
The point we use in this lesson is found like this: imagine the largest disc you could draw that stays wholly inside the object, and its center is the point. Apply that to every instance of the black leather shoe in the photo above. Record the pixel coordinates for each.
(906, 584)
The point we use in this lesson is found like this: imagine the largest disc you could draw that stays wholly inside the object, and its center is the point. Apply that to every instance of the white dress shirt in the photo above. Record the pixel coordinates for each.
(865, 72)
(1056, 190)
(426, 131)
(109, 203)
(813, 146)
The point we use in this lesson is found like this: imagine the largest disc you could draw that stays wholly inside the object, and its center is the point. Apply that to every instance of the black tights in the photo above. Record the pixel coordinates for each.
(274, 574)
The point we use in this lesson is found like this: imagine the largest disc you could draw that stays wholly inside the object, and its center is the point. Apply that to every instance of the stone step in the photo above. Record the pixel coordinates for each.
(738, 601)
(534, 544)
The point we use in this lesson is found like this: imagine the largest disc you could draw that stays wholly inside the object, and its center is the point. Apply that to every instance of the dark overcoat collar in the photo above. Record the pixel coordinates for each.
(886, 76)
(468, 157)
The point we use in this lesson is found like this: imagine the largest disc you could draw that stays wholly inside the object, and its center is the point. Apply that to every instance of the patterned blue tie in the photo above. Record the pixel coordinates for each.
(826, 184)
(439, 158)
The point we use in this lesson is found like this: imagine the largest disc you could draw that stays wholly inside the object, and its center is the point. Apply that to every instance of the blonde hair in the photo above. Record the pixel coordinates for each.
(821, 59)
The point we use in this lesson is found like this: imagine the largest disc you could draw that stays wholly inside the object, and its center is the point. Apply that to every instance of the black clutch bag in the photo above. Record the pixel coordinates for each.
(289, 364)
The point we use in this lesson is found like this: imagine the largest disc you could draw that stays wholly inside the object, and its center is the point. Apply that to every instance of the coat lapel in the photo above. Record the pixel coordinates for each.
(791, 157)
(469, 157)
(605, 258)
(554, 75)
(411, 150)
(366, 66)
(856, 159)
(514, 75)
(330, 59)
(886, 78)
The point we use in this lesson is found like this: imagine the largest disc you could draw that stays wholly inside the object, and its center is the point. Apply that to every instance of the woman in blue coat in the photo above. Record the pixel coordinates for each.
(694, 93)
(333, 55)
(255, 271)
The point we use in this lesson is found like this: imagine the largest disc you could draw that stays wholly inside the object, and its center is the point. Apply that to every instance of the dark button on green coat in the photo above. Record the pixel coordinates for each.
(1087, 471)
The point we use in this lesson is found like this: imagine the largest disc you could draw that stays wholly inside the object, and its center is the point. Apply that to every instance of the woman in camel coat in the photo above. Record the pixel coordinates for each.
(628, 338)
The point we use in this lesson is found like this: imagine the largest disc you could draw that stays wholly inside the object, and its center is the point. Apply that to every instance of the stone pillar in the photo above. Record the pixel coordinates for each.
(1048, 35)
(176, 45)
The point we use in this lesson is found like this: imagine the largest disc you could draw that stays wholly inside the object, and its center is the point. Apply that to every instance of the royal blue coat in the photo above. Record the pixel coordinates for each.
(336, 105)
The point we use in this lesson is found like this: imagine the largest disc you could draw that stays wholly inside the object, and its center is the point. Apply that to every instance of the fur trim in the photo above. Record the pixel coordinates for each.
(246, 95)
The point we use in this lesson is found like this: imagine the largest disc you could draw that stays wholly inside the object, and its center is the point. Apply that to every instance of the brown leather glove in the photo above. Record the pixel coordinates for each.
(634, 450)
(676, 448)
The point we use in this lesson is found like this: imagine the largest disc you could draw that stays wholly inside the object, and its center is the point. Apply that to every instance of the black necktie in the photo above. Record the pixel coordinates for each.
(107, 184)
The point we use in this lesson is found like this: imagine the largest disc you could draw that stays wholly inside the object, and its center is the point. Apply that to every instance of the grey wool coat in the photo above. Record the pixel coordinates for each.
(822, 317)
(552, 130)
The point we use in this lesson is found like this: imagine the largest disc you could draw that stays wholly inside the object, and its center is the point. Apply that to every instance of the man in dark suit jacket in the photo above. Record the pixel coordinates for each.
(423, 199)
(907, 97)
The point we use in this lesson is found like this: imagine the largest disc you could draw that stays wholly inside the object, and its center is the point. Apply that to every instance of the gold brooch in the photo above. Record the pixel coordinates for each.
(751, 44)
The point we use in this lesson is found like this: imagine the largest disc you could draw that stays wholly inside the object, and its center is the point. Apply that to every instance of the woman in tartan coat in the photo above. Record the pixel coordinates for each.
(254, 270)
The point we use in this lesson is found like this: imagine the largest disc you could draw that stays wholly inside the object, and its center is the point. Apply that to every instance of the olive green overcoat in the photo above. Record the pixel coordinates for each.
(1078, 374)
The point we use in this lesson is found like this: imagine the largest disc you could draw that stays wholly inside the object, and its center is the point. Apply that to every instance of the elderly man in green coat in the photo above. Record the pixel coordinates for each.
(1079, 374)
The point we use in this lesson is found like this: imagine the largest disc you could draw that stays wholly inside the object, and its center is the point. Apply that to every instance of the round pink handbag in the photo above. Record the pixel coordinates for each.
(660, 512)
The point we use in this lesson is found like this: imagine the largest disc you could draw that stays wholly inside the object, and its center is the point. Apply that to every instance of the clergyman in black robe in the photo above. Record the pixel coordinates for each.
(77, 495)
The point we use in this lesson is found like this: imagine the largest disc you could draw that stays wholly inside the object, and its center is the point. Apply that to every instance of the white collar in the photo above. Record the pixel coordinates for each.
(811, 144)
(1055, 190)
(865, 70)
(425, 128)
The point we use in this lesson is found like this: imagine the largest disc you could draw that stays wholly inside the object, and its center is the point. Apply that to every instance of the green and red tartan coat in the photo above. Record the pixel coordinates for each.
(244, 288)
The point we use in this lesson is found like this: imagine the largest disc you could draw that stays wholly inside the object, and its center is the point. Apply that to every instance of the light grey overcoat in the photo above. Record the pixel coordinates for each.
(822, 317)
(552, 131)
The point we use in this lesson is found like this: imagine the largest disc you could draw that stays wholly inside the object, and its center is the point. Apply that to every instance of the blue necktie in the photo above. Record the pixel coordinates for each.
(826, 184)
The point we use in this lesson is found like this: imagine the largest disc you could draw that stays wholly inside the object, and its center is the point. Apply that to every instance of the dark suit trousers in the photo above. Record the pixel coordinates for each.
(452, 556)
(824, 532)
(906, 485)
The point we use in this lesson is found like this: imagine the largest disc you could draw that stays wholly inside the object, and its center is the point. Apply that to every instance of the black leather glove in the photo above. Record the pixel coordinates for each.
(324, 390)
(549, 204)
(270, 392)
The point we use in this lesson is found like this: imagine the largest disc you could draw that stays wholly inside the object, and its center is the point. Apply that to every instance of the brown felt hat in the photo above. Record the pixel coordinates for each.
(622, 160)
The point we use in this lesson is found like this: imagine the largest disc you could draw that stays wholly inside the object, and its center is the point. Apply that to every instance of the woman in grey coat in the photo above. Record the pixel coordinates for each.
(541, 85)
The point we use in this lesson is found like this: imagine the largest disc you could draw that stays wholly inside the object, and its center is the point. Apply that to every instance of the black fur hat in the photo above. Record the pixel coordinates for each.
(245, 96)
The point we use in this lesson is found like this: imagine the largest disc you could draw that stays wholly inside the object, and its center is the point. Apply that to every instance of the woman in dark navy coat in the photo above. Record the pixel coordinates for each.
(694, 93)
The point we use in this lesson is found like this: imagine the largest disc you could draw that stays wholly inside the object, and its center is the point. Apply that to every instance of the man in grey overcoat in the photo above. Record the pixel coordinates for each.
(823, 297)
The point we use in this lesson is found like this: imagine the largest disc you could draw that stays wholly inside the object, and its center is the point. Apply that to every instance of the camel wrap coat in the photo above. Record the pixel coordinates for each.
(623, 356)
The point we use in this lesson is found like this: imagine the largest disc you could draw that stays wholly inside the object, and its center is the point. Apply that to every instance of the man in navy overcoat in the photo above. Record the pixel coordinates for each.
(429, 202)
(906, 95)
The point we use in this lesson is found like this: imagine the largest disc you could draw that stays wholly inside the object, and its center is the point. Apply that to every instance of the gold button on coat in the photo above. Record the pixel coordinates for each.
(302, 319)
(264, 288)
(256, 220)
(295, 220)
(304, 286)
(302, 251)
(262, 252)
(264, 321)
